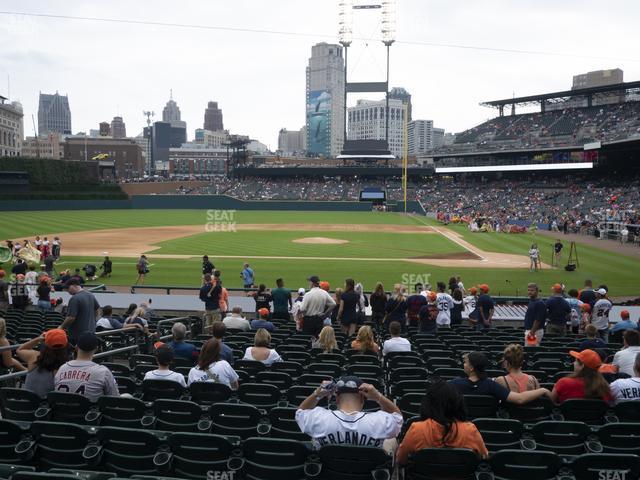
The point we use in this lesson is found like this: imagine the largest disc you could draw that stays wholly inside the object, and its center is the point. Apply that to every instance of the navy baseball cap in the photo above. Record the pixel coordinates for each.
(348, 384)
(88, 342)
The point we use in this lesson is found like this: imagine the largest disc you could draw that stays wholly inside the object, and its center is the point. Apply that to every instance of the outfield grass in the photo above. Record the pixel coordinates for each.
(617, 271)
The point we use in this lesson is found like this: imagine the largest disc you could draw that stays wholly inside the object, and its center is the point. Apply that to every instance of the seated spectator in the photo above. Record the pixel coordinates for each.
(7, 358)
(396, 343)
(477, 383)
(348, 424)
(107, 322)
(627, 389)
(44, 363)
(260, 351)
(443, 425)
(218, 331)
(364, 341)
(624, 324)
(137, 320)
(236, 321)
(585, 381)
(592, 342)
(211, 368)
(82, 375)
(516, 380)
(182, 349)
(326, 340)
(263, 321)
(164, 358)
(626, 357)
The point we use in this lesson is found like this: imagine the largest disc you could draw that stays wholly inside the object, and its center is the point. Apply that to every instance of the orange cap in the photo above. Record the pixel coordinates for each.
(557, 288)
(263, 312)
(56, 338)
(484, 287)
(585, 307)
(624, 314)
(473, 290)
(324, 286)
(589, 358)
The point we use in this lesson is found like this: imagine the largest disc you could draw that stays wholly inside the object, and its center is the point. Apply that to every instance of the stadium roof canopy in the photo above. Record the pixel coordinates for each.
(563, 96)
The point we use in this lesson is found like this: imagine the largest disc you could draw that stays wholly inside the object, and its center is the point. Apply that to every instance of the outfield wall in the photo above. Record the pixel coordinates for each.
(199, 202)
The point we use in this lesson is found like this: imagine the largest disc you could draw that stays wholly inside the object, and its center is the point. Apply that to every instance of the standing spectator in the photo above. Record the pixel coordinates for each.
(107, 321)
(19, 294)
(364, 341)
(587, 295)
(534, 253)
(327, 427)
(624, 323)
(626, 357)
(31, 281)
(444, 302)
(557, 251)
(262, 321)
(326, 340)
(453, 284)
(260, 352)
(348, 307)
(315, 307)
(460, 285)
(262, 298)
(470, 306)
(600, 314)
(585, 381)
(378, 300)
(211, 368)
(428, 316)
(55, 247)
(247, 275)
(226, 353)
(210, 295)
(164, 358)
(414, 303)
(486, 308)
(396, 308)
(282, 302)
(44, 363)
(236, 321)
(4, 293)
(456, 311)
(516, 380)
(628, 389)
(207, 266)
(182, 349)
(443, 425)
(20, 268)
(361, 306)
(558, 312)
(575, 314)
(396, 343)
(82, 375)
(7, 359)
(44, 294)
(49, 265)
(106, 267)
(534, 317)
(82, 312)
(142, 267)
(624, 235)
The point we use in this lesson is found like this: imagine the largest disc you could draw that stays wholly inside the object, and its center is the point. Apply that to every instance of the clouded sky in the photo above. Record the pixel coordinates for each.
(258, 78)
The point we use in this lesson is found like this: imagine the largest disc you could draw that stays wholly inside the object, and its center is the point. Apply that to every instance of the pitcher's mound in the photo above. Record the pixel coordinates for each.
(320, 240)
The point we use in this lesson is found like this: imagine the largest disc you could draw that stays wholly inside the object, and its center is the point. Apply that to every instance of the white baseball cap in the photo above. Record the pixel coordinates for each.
(301, 291)
(601, 291)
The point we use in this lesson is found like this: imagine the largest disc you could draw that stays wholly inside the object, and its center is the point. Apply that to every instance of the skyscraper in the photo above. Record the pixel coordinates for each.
(105, 129)
(171, 115)
(325, 100)
(118, 128)
(11, 128)
(399, 93)
(54, 114)
(213, 117)
(366, 122)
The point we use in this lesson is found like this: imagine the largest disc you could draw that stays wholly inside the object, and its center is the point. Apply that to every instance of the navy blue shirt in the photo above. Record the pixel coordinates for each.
(588, 296)
(558, 310)
(257, 323)
(485, 304)
(592, 344)
(226, 353)
(210, 297)
(184, 350)
(481, 387)
(535, 311)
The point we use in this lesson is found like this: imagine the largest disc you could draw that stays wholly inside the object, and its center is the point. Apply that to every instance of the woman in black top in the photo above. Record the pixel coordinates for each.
(44, 295)
(348, 304)
(396, 308)
(458, 306)
(378, 301)
(262, 298)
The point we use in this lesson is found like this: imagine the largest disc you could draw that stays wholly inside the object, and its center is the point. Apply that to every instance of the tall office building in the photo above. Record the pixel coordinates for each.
(105, 129)
(54, 114)
(118, 128)
(423, 136)
(11, 128)
(325, 100)
(213, 117)
(291, 141)
(399, 93)
(366, 121)
(178, 130)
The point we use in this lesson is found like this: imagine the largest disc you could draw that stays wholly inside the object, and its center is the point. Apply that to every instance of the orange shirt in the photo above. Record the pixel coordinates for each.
(428, 434)
(356, 346)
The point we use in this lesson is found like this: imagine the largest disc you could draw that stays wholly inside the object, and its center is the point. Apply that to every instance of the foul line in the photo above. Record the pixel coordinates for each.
(451, 236)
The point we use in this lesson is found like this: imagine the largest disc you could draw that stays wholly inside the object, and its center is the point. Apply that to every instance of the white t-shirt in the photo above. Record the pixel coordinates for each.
(600, 314)
(331, 427)
(533, 253)
(396, 344)
(626, 389)
(469, 303)
(218, 372)
(165, 375)
(272, 358)
(625, 358)
(237, 323)
(444, 302)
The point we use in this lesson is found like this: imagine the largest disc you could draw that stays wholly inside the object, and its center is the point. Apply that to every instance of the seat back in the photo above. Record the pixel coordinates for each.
(18, 403)
(68, 407)
(195, 454)
(60, 445)
(561, 437)
(235, 419)
(352, 463)
(10, 436)
(478, 406)
(449, 463)
(284, 425)
(271, 458)
(524, 465)
(281, 380)
(537, 410)
(590, 411)
(120, 411)
(207, 393)
(127, 451)
(294, 369)
(176, 415)
(156, 389)
(259, 395)
(499, 433)
(620, 437)
(628, 411)
(591, 466)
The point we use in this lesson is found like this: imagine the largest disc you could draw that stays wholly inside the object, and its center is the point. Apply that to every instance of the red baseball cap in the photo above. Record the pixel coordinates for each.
(484, 287)
(624, 314)
(585, 307)
(589, 358)
(264, 311)
(557, 288)
(56, 338)
(473, 290)
(325, 286)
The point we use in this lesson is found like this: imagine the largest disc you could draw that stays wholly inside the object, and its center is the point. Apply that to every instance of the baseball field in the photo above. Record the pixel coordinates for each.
(369, 247)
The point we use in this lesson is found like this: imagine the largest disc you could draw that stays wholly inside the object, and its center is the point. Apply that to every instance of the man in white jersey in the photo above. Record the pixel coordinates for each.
(628, 389)
(348, 424)
(600, 314)
(444, 302)
(82, 375)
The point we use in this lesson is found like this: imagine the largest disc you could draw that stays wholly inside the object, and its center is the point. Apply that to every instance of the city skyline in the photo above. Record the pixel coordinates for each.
(446, 84)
